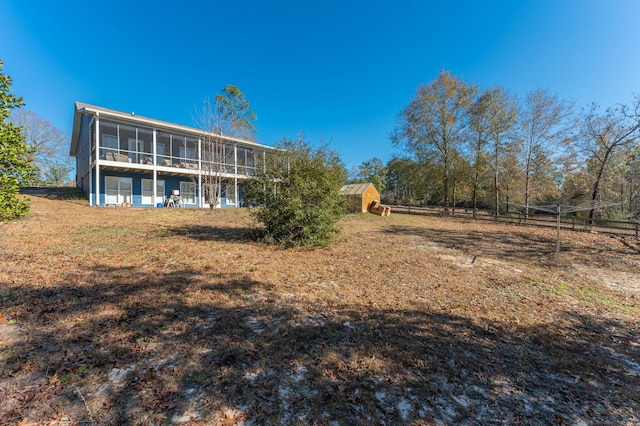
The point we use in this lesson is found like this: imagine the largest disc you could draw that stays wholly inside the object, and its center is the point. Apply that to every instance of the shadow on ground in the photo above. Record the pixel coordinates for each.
(122, 346)
(215, 233)
(63, 193)
(512, 245)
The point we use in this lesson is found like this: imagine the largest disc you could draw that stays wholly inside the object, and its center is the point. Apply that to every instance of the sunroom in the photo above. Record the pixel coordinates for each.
(125, 159)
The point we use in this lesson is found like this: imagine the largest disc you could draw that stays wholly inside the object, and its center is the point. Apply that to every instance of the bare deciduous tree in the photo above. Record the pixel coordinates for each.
(479, 128)
(434, 123)
(49, 146)
(230, 114)
(604, 133)
(542, 127)
(213, 169)
(493, 115)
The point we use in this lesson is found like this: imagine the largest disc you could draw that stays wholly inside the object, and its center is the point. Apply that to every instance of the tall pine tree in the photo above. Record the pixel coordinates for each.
(15, 155)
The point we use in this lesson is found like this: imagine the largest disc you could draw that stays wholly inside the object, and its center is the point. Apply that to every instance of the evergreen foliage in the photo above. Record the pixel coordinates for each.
(373, 171)
(15, 155)
(296, 197)
(234, 115)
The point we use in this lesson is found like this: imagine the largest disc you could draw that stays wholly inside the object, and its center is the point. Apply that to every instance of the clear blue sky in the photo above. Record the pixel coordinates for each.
(340, 71)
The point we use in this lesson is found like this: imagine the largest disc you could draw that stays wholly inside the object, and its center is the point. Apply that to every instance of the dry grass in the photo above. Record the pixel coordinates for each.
(131, 316)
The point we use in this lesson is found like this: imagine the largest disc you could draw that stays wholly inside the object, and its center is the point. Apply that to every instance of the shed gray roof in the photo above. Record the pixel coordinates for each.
(355, 188)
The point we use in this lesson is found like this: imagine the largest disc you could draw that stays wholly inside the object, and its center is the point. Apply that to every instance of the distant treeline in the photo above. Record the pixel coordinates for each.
(484, 148)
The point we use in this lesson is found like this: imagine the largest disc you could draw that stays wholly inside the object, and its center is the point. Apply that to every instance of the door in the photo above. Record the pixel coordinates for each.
(188, 192)
(147, 191)
(117, 190)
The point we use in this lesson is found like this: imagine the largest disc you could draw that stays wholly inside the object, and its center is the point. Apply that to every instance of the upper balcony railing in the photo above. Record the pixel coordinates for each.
(185, 164)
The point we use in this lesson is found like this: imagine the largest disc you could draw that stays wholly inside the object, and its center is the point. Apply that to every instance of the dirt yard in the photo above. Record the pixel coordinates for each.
(176, 316)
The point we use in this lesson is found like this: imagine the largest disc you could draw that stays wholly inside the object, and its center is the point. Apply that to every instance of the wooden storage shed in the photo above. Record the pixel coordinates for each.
(359, 196)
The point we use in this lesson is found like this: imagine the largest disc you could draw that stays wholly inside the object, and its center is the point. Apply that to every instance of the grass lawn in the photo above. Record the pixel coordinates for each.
(178, 316)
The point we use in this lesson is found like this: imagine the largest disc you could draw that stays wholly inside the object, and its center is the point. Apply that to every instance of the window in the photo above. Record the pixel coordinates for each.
(117, 190)
(245, 157)
(229, 158)
(160, 155)
(145, 140)
(163, 149)
(250, 162)
(177, 142)
(188, 192)
(229, 154)
(147, 191)
(133, 156)
(230, 190)
(189, 153)
(108, 137)
(110, 143)
(246, 161)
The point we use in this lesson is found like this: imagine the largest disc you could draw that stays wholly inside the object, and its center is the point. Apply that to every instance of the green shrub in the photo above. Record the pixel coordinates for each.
(296, 196)
(15, 155)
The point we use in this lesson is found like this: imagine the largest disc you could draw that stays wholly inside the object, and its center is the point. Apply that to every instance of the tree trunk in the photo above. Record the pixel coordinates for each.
(596, 187)
(594, 196)
(527, 179)
(476, 180)
(495, 181)
(475, 197)
(453, 207)
(446, 186)
(527, 171)
(507, 198)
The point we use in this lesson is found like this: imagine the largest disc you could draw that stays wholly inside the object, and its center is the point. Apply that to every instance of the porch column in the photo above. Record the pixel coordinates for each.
(155, 170)
(235, 183)
(97, 159)
(200, 196)
(91, 203)
(235, 177)
(235, 159)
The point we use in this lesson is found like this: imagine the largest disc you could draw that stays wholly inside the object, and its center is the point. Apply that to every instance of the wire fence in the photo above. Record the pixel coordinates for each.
(574, 223)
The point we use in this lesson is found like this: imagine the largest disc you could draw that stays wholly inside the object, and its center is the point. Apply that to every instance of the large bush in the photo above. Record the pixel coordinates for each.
(15, 155)
(296, 195)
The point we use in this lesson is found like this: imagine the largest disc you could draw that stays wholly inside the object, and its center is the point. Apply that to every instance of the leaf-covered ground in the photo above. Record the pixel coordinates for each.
(176, 316)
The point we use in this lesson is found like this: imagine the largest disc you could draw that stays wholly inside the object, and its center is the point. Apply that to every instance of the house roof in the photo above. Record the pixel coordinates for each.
(355, 188)
(82, 108)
